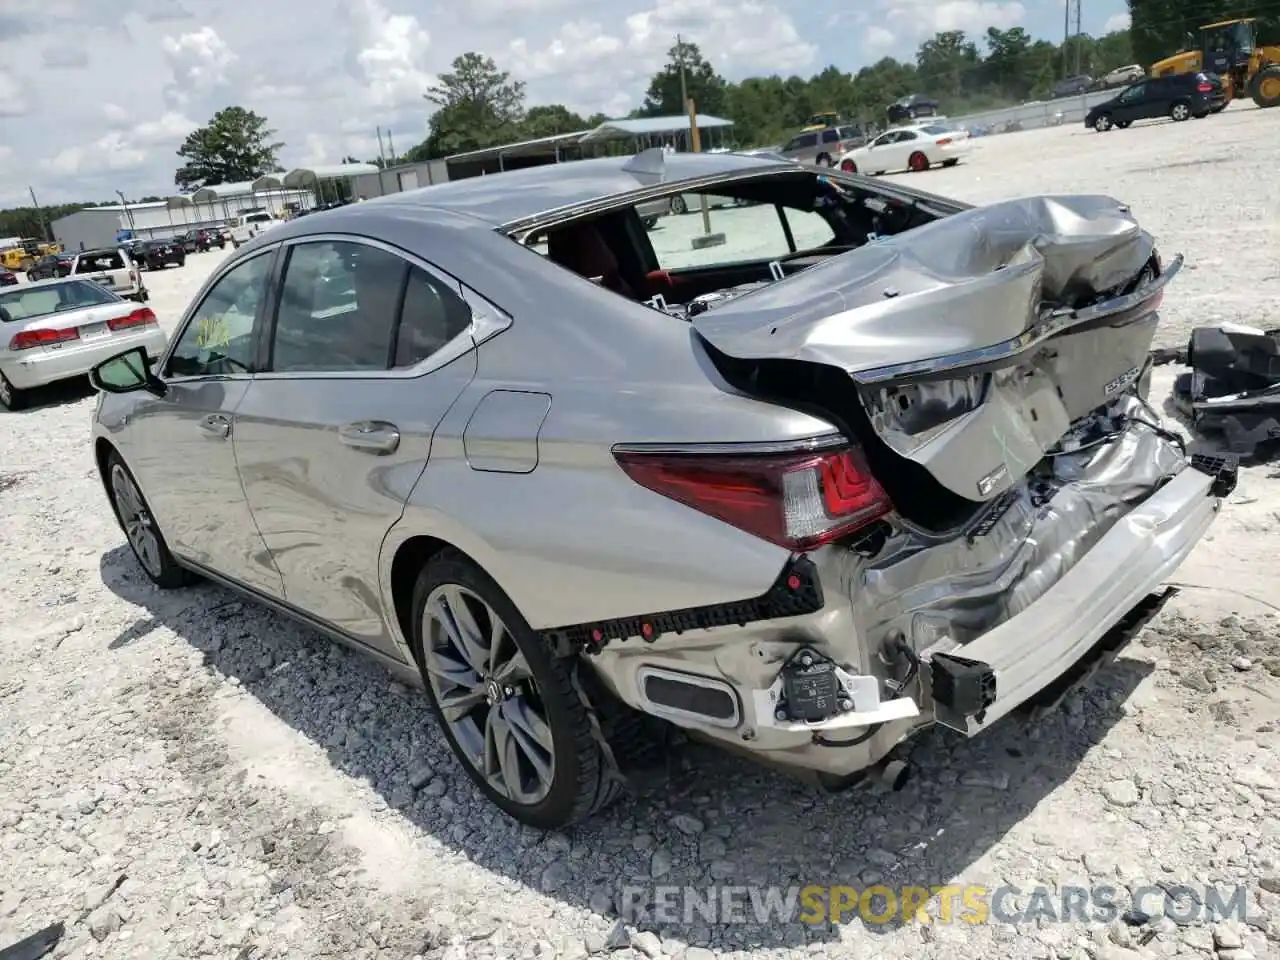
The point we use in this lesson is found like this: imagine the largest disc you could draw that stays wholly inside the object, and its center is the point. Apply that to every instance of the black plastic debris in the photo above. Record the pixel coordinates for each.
(35, 946)
(1232, 391)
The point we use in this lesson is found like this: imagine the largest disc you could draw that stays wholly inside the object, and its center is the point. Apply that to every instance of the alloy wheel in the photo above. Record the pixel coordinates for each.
(1180, 111)
(6, 391)
(1102, 124)
(487, 695)
(136, 520)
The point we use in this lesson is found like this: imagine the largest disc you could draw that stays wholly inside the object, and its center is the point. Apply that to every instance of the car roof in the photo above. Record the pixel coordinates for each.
(503, 198)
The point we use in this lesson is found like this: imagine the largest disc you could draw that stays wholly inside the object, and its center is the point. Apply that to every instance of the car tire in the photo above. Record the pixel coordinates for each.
(951, 163)
(917, 162)
(554, 772)
(1123, 124)
(11, 398)
(1103, 122)
(678, 206)
(1180, 111)
(140, 529)
(823, 160)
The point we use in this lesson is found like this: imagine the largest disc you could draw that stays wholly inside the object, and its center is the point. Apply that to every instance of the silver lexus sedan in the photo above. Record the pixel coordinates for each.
(856, 461)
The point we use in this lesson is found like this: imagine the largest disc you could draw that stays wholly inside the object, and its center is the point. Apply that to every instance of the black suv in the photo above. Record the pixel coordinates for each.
(1178, 97)
(158, 254)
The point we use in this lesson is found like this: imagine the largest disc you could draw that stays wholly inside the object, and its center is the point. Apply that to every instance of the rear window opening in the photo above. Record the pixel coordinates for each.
(666, 252)
(95, 262)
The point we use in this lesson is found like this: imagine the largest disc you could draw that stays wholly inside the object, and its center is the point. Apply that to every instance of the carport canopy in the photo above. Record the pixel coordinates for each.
(223, 191)
(652, 126)
(302, 178)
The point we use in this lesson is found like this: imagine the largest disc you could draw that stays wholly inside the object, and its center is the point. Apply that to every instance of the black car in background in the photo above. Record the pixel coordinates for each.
(8, 278)
(1072, 87)
(158, 254)
(1178, 97)
(198, 241)
(51, 266)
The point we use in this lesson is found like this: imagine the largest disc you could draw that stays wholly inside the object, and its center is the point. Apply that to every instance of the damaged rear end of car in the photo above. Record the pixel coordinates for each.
(999, 511)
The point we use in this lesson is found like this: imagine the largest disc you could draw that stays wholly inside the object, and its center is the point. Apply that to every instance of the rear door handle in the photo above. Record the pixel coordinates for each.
(217, 425)
(371, 436)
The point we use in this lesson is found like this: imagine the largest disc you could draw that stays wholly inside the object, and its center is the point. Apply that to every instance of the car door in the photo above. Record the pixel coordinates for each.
(1130, 104)
(368, 349)
(906, 143)
(185, 462)
(878, 149)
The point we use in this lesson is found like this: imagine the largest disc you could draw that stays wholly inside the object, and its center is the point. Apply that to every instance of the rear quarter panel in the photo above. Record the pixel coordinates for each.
(576, 539)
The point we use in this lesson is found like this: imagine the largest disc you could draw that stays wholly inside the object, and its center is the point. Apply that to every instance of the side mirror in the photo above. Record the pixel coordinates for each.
(126, 373)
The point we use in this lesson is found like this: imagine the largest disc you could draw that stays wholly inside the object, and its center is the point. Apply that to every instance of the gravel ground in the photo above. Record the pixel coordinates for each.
(186, 775)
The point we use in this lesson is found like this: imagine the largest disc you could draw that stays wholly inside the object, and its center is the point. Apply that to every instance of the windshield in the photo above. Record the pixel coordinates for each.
(42, 301)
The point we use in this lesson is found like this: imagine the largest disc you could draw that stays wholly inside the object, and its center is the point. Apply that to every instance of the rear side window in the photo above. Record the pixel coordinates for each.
(802, 141)
(830, 136)
(95, 262)
(432, 315)
(338, 308)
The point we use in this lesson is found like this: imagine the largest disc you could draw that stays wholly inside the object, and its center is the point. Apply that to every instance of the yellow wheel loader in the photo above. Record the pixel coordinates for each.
(1230, 49)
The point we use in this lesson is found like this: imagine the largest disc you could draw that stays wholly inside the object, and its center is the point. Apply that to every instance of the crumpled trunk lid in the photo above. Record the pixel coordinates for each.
(975, 341)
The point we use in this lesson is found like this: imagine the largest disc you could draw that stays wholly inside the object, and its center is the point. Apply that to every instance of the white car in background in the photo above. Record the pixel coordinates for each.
(915, 148)
(53, 330)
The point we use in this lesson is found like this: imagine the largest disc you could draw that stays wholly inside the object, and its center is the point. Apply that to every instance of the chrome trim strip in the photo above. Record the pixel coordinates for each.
(824, 442)
(1050, 326)
(691, 680)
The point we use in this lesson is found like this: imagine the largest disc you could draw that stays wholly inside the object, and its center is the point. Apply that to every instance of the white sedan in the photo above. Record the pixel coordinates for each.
(56, 329)
(914, 148)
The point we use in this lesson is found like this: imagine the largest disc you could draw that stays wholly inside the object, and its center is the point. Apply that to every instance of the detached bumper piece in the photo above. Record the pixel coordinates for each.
(796, 592)
(1233, 388)
(1090, 612)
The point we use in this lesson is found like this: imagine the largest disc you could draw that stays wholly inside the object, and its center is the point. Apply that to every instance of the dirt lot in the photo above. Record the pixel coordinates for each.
(184, 775)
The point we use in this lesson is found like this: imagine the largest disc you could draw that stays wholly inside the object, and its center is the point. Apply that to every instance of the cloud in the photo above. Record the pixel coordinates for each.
(199, 61)
(61, 57)
(13, 96)
(1119, 21)
(389, 53)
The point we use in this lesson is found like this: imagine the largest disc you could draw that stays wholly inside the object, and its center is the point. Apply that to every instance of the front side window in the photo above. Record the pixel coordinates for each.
(338, 308)
(1134, 92)
(220, 338)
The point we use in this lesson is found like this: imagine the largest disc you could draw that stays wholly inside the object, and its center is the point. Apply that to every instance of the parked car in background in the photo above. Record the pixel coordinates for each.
(1178, 97)
(778, 508)
(198, 241)
(249, 225)
(113, 269)
(56, 329)
(1071, 87)
(1123, 76)
(914, 148)
(51, 266)
(8, 278)
(822, 147)
(914, 106)
(158, 254)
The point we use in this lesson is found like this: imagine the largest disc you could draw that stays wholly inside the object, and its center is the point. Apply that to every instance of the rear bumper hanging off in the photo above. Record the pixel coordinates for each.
(1075, 619)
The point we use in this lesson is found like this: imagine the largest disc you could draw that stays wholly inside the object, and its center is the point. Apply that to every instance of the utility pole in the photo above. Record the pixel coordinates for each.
(1079, 35)
(684, 90)
(382, 154)
(133, 227)
(391, 147)
(44, 226)
(1066, 35)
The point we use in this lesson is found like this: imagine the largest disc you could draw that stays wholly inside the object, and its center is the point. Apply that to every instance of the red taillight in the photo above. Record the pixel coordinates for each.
(42, 338)
(943, 142)
(1204, 87)
(138, 318)
(798, 500)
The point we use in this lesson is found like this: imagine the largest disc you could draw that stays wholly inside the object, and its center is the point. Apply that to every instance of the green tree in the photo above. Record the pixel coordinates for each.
(479, 106)
(550, 120)
(236, 145)
(702, 84)
(948, 63)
